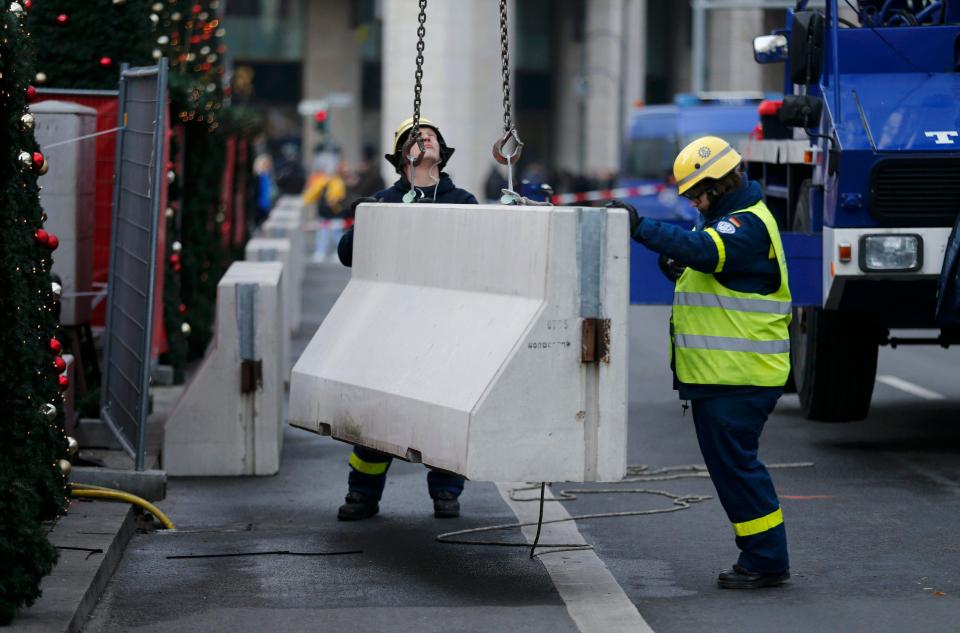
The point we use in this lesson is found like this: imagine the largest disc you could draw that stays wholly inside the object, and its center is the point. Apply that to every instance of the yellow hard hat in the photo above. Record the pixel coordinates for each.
(400, 137)
(706, 157)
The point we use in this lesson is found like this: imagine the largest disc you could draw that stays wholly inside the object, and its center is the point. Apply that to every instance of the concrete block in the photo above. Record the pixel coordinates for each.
(67, 195)
(459, 342)
(147, 484)
(229, 420)
(290, 229)
(274, 249)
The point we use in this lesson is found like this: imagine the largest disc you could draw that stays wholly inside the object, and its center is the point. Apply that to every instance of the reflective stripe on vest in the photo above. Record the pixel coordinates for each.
(756, 526)
(704, 300)
(367, 468)
(725, 337)
(729, 344)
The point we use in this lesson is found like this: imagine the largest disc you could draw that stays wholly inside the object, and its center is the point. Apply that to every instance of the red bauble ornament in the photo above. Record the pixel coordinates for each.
(105, 61)
(175, 258)
(31, 93)
(38, 160)
(183, 308)
(53, 242)
(197, 8)
(59, 364)
(177, 267)
(55, 346)
(63, 18)
(27, 4)
(64, 383)
(40, 237)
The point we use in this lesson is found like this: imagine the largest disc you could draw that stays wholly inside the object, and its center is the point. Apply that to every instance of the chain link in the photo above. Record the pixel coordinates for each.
(505, 67)
(418, 75)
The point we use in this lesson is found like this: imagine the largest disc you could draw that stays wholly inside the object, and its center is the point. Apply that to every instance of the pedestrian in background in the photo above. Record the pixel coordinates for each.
(368, 468)
(730, 348)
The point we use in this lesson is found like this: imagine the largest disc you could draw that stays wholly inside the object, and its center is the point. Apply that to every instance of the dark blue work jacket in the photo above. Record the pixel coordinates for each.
(444, 192)
(750, 266)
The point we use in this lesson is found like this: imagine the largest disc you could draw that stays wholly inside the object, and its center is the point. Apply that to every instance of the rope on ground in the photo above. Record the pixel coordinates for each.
(635, 474)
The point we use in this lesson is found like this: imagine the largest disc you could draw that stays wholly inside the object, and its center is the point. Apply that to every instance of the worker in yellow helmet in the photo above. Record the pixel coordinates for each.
(425, 182)
(730, 349)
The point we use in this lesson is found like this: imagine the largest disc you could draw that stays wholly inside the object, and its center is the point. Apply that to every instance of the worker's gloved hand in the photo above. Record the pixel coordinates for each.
(670, 268)
(634, 216)
(359, 201)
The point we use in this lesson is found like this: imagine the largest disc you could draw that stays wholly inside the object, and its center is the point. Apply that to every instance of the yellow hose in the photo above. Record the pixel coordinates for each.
(89, 491)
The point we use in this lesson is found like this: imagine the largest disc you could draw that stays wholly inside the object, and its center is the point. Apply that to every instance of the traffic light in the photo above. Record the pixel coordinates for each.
(320, 118)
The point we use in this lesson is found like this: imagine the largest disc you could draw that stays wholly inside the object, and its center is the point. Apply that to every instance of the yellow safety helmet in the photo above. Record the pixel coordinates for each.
(401, 135)
(707, 157)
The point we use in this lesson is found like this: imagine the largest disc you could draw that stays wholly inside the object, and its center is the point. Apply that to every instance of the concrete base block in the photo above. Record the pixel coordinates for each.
(149, 484)
(229, 420)
(275, 249)
(290, 229)
(488, 341)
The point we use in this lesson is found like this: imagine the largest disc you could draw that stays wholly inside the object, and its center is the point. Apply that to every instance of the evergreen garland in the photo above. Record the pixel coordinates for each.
(81, 43)
(32, 487)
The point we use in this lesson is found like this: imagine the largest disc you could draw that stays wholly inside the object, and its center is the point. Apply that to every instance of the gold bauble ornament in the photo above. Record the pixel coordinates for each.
(176, 247)
(73, 446)
(16, 8)
(49, 411)
(56, 289)
(44, 168)
(154, 18)
(157, 7)
(119, 1)
(41, 78)
(157, 53)
(64, 467)
(185, 328)
(163, 40)
(27, 121)
(25, 159)
(170, 213)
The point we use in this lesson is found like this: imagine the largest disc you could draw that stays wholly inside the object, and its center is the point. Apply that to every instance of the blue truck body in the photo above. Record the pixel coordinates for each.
(866, 193)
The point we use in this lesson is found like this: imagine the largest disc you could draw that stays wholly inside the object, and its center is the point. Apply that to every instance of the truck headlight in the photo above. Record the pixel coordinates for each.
(891, 252)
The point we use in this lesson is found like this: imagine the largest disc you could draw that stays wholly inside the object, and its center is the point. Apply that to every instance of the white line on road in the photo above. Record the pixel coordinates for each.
(594, 599)
(909, 387)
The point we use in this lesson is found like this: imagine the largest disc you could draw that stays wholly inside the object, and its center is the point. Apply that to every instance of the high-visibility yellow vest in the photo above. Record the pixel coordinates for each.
(725, 337)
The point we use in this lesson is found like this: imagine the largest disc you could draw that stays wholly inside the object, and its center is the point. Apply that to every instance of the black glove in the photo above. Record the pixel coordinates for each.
(358, 201)
(634, 216)
(670, 268)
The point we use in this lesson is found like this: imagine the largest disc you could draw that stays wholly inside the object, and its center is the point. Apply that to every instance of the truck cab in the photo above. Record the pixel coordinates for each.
(867, 180)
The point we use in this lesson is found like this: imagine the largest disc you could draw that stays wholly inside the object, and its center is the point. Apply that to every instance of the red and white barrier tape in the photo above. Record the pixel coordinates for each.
(606, 194)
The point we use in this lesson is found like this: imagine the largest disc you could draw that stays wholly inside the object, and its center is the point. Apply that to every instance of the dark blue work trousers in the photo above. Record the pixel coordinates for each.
(368, 475)
(728, 430)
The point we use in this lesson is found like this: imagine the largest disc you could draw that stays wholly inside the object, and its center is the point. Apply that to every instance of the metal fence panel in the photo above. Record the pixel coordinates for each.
(133, 253)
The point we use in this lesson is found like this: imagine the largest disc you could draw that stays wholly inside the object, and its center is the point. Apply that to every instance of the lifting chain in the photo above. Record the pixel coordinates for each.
(510, 134)
(415, 137)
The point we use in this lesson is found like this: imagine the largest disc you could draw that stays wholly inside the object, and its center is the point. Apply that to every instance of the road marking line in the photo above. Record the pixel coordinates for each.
(806, 497)
(594, 599)
(909, 387)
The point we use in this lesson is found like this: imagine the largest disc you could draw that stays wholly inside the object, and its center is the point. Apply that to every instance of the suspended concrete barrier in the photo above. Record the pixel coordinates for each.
(488, 341)
(229, 420)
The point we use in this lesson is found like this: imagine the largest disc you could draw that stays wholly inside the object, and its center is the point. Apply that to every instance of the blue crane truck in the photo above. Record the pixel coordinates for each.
(863, 174)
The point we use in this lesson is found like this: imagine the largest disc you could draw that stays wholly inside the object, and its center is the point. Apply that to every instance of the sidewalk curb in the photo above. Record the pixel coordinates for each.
(79, 578)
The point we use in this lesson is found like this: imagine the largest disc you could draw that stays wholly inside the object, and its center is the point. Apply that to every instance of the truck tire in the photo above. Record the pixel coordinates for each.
(834, 358)
(833, 355)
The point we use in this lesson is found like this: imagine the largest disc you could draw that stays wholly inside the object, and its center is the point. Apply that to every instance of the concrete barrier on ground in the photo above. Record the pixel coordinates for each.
(291, 229)
(488, 341)
(276, 249)
(229, 420)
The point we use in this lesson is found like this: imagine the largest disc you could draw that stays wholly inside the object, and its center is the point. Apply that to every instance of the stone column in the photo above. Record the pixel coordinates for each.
(730, 64)
(461, 80)
(331, 64)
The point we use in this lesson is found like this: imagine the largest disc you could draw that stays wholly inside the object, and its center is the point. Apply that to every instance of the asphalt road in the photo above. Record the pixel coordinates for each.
(872, 526)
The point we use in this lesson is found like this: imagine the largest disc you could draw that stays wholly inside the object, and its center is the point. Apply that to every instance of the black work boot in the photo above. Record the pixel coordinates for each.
(358, 507)
(445, 505)
(741, 578)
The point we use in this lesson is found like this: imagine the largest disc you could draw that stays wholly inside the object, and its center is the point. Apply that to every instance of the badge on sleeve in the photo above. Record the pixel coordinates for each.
(726, 227)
